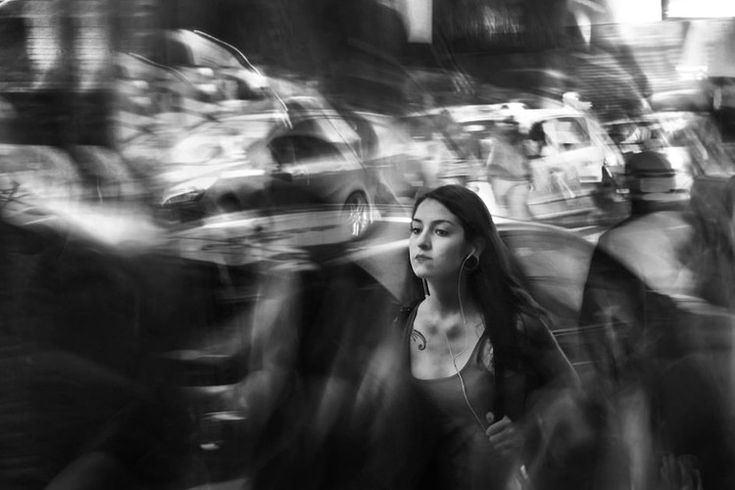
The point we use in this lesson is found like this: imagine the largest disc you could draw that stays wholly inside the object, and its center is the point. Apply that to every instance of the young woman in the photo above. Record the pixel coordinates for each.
(481, 360)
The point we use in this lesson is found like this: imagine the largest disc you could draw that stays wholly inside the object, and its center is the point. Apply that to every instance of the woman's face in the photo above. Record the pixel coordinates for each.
(437, 245)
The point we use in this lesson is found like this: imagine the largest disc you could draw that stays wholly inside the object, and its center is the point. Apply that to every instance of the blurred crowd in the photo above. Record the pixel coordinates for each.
(205, 259)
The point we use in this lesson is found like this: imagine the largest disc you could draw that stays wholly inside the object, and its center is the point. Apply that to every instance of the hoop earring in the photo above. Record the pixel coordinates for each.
(471, 263)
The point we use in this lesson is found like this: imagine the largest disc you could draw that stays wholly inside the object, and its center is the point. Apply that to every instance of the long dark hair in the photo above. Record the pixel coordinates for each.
(494, 285)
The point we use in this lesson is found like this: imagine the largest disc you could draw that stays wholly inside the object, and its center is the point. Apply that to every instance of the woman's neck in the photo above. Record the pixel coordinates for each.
(444, 299)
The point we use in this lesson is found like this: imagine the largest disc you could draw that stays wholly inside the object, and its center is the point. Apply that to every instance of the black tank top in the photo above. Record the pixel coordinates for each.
(465, 452)
(447, 396)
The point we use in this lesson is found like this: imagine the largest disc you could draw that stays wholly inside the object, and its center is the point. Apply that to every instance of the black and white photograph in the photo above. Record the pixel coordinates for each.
(367, 245)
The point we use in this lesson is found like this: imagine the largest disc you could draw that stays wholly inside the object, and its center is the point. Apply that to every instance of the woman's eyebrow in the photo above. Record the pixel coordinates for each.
(435, 222)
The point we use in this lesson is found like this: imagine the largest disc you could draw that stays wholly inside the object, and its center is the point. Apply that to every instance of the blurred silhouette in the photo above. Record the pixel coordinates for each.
(310, 363)
(509, 171)
(653, 240)
(659, 402)
(82, 410)
(713, 204)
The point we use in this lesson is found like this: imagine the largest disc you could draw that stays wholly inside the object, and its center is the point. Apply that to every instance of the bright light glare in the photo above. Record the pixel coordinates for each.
(701, 8)
(636, 11)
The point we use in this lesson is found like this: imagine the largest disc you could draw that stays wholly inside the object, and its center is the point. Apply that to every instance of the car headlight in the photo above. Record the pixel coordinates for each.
(189, 191)
(189, 196)
(207, 88)
(196, 152)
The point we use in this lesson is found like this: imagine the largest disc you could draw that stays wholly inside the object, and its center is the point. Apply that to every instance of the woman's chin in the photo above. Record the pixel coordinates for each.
(421, 273)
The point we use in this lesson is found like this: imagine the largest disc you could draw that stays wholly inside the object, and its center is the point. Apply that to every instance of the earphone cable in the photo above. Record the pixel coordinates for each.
(454, 359)
(464, 390)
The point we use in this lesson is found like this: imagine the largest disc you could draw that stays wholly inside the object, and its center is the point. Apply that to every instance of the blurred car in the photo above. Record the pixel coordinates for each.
(387, 147)
(444, 151)
(217, 69)
(647, 135)
(708, 95)
(312, 156)
(686, 140)
(143, 86)
(575, 167)
(40, 173)
(573, 142)
(186, 70)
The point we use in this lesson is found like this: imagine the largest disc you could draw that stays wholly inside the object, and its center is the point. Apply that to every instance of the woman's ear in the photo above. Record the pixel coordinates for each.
(478, 246)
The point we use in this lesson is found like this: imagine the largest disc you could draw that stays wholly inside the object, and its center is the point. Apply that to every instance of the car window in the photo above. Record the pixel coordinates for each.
(310, 148)
(299, 148)
(366, 132)
(555, 265)
(282, 150)
(332, 129)
(567, 133)
(309, 125)
(175, 53)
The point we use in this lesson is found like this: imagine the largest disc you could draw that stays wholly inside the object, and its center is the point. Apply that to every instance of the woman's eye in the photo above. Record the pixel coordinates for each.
(415, 230)
(441, 232)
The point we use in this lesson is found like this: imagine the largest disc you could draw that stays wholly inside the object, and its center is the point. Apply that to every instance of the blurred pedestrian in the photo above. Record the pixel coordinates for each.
(509, 171)
(461, 142)
(631, 323)
(652, 242)
(486, 375)
(713, 206)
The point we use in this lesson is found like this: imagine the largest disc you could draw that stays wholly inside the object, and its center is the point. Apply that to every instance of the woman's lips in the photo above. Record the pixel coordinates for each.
(421, 258)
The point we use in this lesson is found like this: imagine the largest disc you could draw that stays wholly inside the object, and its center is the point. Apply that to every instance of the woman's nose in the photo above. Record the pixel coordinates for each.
(423, 241)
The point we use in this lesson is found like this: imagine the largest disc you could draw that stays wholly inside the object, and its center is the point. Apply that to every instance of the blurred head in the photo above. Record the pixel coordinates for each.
(652, 181)
(508, 130)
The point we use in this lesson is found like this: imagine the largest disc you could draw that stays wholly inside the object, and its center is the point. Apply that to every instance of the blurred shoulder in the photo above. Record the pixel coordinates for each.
(534, 328)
